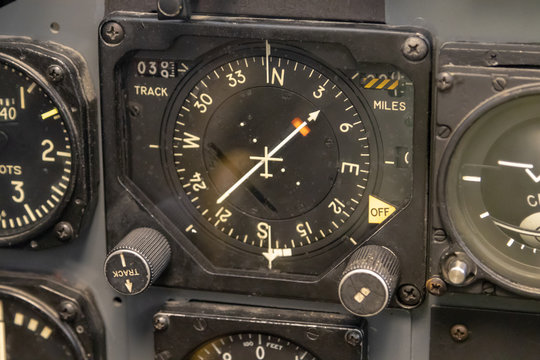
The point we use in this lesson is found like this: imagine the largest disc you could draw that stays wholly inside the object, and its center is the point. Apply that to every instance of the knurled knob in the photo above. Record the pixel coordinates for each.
(137, 261)
(369, 280)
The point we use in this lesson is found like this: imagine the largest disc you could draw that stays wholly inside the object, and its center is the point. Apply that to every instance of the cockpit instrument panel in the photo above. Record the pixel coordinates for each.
(270, 155)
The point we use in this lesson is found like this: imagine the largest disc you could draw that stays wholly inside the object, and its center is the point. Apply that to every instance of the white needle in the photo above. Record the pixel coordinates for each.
(515, 164)
(527, 168)
(3, 349)
(267, 62)
(312, 117)
(532, 176)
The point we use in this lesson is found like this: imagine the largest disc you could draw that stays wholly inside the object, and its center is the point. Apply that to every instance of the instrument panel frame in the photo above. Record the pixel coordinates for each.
(127, 207)
(325, 335)
(474, 69)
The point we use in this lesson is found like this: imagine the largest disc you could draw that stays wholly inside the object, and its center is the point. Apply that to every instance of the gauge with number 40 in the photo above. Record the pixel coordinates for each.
(43, 161)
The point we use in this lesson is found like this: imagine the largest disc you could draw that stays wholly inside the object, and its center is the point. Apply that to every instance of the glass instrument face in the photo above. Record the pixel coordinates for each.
(27, 333)
(493, 187)
(273, 150)
(251, 346)
(35, 155)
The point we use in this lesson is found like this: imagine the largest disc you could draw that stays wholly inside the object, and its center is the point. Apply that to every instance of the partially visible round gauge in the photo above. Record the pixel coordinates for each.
(30, 330)
(272, 150)
(492, 189)
(36, 155)
(251, 346)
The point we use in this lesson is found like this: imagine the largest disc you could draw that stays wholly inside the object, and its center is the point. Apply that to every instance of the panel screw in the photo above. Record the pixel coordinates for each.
(499, 83)
(414, 48)
(439, 235)
(436, 286)
(55, 73)
(67, 310)
(64, 231)
(199, 324)
(459, 333)
(443, 131)
(161, 322)
(312, 335)
(112, 33)
(164, 355)
(445, 81)
(409, 295)
(134, 110)
(354, 337)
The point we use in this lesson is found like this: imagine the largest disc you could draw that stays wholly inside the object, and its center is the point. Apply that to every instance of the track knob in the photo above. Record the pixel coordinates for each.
(369, 280)
(137, 261)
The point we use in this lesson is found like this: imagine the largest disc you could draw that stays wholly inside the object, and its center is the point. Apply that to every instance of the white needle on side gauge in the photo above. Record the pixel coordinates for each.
(527, 168)
(312, 117)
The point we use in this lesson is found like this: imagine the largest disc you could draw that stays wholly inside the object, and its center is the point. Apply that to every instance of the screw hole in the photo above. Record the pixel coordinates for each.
(117, 301)
(55, 27)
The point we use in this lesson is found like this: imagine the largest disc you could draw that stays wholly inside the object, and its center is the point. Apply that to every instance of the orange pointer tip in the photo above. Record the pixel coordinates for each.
(297, 122)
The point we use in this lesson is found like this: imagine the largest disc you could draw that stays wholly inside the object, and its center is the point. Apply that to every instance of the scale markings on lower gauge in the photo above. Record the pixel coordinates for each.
(251, 346)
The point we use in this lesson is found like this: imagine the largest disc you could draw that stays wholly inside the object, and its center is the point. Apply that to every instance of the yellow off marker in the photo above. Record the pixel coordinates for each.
(379, 210)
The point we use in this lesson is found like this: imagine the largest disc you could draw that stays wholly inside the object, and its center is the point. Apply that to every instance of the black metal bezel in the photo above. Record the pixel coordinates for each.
(74, 97)
(126, 207)
(474, 71)
(482, 109)
(85, 330)
(322, 334)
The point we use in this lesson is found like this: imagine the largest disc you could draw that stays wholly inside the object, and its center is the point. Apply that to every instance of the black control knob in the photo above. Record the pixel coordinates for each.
(137, 261)
(369, 280)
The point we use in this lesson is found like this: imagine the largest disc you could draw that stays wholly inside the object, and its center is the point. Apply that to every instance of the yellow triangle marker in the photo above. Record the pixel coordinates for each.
(379, 210)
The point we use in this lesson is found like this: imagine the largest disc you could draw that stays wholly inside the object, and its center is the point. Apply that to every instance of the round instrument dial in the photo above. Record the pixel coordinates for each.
(251, 346)
(492, 191)
(36, 154)
(272, 149)
(28, 330)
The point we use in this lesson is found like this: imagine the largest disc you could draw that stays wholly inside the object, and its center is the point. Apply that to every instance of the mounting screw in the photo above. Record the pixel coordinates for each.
(459, 333)
(112, 33)
(68, 310)
(134, 110)
(409, 295)
(170, 8)
(445, 81)
(199, 324)
(436, 286)
(64, 231)
(499, 83)
(55, 73)
(164, 355)
(312, 334)
(161, 322)
(354, 337)
(414, 48)
(443, 131)
(439, 235)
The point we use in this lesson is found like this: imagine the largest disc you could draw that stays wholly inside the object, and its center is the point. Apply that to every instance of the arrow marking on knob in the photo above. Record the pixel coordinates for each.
(129, 285)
